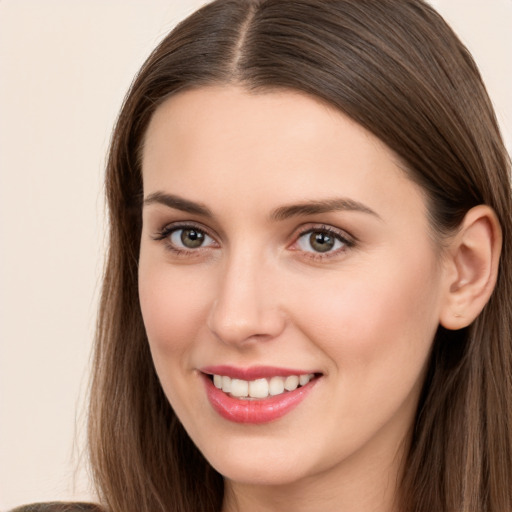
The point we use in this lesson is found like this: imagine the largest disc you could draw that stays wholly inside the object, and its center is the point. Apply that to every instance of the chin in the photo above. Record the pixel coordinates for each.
(262, 474)
(260, 464)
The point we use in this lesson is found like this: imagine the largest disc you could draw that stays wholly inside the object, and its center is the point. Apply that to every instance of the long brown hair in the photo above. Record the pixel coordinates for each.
(396, 68)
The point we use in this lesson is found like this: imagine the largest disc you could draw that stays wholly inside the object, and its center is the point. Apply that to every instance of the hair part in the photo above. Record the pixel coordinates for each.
(397, 69)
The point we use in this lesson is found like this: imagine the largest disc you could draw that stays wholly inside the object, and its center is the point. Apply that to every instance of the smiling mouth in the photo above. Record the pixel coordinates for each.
(256, 395)
(262, 388)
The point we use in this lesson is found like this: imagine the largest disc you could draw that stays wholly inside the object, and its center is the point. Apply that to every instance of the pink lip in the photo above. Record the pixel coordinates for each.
(254, 411)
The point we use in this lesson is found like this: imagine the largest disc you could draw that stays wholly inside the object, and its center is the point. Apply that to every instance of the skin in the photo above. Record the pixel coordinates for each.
(256, 293)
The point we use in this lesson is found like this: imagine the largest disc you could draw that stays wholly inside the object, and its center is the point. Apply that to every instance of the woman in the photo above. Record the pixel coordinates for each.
(306, 299)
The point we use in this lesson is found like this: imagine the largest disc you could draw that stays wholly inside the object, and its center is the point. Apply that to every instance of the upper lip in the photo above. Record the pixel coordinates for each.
(253, 372)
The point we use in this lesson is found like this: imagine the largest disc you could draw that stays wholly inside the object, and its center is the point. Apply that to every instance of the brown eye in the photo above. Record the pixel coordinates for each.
(192, 238)
(189, 238)
(321, 241)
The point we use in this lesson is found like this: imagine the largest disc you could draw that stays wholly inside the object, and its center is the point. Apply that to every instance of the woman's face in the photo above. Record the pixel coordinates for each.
(282, 242)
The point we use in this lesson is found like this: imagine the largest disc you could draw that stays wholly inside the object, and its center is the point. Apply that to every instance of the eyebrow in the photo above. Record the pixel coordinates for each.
(178, 203)
(279, 214)
(322, 206)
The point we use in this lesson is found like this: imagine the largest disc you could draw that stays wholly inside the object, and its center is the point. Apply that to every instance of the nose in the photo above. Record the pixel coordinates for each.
(246, 307)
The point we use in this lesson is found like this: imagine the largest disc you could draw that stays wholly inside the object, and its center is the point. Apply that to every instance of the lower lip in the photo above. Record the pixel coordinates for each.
(255, 411)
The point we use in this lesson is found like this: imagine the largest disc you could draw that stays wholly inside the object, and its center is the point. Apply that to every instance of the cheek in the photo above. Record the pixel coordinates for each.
(380, 320)
(173, 307)
(377, 330)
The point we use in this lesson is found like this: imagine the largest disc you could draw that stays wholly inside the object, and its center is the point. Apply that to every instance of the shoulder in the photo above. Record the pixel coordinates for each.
(59, 506)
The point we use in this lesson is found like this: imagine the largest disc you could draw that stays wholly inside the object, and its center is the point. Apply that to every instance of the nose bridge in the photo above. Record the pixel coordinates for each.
(246, 304)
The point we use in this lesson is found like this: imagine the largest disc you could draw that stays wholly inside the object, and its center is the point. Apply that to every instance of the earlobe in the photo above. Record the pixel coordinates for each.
(471, 267)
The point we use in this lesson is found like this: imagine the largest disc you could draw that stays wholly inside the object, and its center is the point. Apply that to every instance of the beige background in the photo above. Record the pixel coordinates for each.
(64, 68)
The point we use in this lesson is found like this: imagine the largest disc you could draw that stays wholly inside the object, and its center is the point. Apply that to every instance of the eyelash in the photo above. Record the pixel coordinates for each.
(347, 241)
(164, 236)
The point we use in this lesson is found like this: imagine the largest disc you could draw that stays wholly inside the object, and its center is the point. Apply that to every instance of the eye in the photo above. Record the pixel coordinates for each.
(322, 240)
(189, 238)
(185, 239)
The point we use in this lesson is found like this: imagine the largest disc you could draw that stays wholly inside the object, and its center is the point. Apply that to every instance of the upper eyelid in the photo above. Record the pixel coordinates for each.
(175, 226)
(311, 228)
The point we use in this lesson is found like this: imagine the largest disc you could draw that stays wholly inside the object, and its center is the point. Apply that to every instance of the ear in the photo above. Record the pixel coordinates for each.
(471, 267)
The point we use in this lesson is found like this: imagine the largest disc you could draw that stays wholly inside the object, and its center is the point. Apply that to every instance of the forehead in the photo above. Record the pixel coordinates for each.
(272, 147)
(251, 114)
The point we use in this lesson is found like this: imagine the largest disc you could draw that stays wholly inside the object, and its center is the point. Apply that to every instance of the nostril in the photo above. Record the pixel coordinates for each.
(242, 313)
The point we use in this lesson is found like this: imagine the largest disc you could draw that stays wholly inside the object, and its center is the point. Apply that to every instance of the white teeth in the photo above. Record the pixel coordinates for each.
(304, 379)
(239, 388)
(258, 388)
(276, 386)
(217, 381)
(226, 384)
(291, 382)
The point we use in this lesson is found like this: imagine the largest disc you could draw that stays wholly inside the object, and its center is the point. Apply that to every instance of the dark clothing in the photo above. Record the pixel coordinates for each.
(59, 506)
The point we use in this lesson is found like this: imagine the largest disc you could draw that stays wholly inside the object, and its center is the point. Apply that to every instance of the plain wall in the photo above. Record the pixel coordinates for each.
(65, 66)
